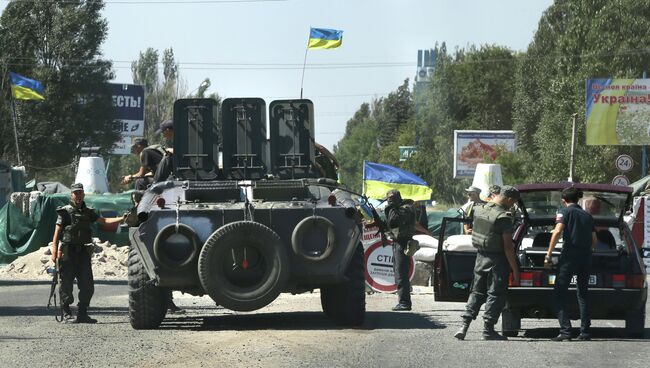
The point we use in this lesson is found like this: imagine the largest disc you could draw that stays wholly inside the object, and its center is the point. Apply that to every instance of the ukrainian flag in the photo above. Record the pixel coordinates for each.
(322, 38)
(25, 89)
(379, 179)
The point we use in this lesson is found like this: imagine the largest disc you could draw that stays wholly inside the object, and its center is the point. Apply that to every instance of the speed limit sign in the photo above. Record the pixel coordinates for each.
(624, 163)
(621, 180)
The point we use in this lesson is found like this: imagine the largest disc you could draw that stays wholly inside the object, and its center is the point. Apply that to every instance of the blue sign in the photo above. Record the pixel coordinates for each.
(128, 100)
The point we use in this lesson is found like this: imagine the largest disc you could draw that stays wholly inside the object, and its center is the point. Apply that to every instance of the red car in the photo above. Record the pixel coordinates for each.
(617, 286)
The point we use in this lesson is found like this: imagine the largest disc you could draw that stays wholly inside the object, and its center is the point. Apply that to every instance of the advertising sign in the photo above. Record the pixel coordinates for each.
(128, 100)
(618, 111)
(472, 146)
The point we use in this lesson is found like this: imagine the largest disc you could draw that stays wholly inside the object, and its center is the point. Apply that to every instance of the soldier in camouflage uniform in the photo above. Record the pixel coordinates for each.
(492, 236)
(74, 252)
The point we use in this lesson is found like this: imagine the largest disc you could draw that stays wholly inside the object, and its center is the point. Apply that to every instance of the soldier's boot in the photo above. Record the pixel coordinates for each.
(460, 334)
(83, 317)
(67, 314)
(490, 334)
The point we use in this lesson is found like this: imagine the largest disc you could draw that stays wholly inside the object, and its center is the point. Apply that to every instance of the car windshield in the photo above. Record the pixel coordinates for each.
(601, 205)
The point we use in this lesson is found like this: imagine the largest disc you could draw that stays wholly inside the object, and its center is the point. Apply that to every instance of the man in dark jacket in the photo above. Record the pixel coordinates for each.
(577, 229)
(150, 156)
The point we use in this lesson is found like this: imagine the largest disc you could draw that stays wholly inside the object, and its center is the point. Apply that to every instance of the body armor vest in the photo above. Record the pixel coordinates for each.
(485, 235)
(78, 231)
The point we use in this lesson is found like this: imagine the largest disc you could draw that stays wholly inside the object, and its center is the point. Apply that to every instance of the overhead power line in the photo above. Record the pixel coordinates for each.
(155, 2)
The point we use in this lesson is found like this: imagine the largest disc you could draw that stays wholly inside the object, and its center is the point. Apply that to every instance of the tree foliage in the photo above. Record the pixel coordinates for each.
(58, 44)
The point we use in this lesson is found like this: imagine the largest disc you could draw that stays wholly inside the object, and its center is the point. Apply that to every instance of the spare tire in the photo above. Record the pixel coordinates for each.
(243, 266)
(314, 238)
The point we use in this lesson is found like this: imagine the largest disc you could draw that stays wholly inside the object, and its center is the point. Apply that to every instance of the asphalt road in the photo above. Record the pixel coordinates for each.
(291, 332)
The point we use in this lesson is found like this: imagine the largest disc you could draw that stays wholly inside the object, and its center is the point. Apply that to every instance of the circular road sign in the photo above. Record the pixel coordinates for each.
(379, 268)
(621, 180)
(624, 163)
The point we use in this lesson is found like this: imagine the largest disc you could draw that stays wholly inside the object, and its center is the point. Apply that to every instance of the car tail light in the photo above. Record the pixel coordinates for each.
(331, 199)
(618, 281)
(160, 202)
(635, 281)
(533, 278)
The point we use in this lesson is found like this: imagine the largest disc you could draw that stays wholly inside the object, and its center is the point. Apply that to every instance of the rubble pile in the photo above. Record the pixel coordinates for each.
(108, 261)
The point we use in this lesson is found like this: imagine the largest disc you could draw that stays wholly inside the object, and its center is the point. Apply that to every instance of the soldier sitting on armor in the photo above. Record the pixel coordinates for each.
(150, 156)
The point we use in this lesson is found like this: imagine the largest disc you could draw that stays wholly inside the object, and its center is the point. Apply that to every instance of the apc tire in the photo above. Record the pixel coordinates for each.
(635, 322)
(313, 224)
(345, 303)
(147, 302)
(218, 248)
(510, 322)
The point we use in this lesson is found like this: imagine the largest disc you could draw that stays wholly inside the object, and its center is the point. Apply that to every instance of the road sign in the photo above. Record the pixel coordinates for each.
(624, 163)
(405, 152)
(379, 268)
(621, 180)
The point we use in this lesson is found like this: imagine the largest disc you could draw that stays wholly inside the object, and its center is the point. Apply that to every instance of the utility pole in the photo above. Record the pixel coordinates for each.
(573, 148)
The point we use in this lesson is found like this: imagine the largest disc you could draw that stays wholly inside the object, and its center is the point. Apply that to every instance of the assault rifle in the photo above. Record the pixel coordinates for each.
(55, 281)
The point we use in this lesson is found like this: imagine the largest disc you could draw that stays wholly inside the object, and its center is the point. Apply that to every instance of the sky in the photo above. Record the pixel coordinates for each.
(256, 48)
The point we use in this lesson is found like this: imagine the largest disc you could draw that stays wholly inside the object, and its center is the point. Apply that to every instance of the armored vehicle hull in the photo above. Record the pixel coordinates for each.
(242, 234)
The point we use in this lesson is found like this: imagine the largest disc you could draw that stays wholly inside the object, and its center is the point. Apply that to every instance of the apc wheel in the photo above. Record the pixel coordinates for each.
(147, 302)
(510, 322)
(243, 266)
(345, 303)
(635, 322)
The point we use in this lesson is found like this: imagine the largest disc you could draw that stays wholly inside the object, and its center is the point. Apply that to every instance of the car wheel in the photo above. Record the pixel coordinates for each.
(510, 322)
(635, 322)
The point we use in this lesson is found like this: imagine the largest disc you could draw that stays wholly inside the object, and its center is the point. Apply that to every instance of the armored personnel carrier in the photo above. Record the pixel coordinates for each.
(245, 218)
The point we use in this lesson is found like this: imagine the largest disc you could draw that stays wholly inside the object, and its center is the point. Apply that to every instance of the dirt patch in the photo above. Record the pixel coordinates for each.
(108, 261)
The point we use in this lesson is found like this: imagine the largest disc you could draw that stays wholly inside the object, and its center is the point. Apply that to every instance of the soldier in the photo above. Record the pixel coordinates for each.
(150, 157)
(474, 200)
(75, 251)
(492, 236)
(579, 234)
(494, 190)
(165, 167)
(400, 216)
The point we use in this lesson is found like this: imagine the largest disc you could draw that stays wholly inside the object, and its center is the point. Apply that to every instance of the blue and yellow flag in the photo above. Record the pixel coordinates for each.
(378, 179)
(322, 38)
(25, 89)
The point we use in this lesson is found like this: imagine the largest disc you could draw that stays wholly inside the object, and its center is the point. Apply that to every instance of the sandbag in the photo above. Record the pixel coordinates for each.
(426, 241)
(459, 243)
(425, 254)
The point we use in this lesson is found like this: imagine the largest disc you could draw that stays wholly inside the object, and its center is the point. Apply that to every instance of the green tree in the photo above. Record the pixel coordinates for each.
(58, 44)
(576, 40)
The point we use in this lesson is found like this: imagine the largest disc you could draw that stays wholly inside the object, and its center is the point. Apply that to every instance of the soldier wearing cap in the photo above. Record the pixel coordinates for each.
(400, 216)
(150, 156)
(492, 236)
(474, 200)
(74, 252)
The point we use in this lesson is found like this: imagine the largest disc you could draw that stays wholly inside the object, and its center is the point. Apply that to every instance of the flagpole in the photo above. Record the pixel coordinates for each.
(15, 118)
(363, 179)
(304, 63)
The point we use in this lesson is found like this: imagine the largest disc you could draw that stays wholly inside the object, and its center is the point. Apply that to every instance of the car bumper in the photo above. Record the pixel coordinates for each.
(606, 303)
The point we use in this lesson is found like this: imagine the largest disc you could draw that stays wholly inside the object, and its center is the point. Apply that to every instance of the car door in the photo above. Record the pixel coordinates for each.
(454, 262)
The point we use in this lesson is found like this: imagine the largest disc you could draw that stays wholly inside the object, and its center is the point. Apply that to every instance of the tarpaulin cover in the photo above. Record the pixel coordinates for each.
(435, 221)
(20, 234)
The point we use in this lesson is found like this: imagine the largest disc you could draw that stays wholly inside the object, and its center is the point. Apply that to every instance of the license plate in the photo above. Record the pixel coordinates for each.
(574, 280)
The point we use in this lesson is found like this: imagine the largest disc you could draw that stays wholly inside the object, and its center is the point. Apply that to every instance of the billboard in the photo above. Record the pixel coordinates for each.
(471, 146)
(128, 100)
(618, 111)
